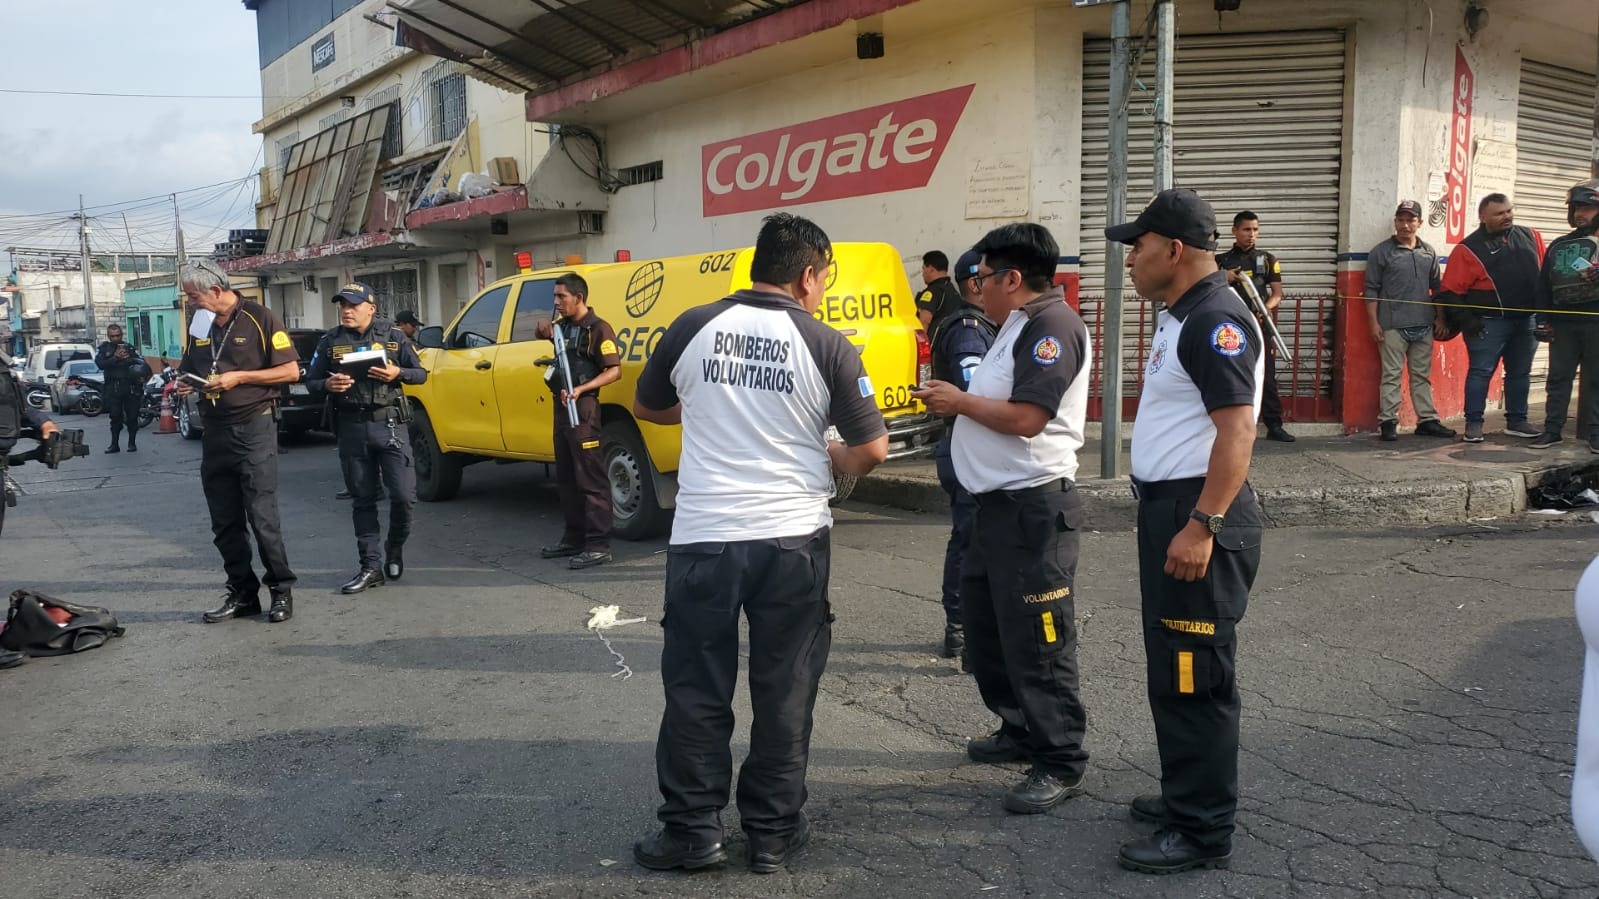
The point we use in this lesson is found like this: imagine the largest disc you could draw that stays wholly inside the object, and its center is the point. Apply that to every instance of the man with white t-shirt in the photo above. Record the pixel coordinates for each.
(1018, 427)
(755, 380)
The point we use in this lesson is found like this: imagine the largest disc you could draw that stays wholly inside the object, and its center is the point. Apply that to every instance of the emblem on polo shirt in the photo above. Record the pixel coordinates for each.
(1157, 358)
(1046, 351)
(1228, 339)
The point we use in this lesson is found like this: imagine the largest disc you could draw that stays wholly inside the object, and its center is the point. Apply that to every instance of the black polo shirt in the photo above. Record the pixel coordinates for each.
(252, 340)
(1256, 264)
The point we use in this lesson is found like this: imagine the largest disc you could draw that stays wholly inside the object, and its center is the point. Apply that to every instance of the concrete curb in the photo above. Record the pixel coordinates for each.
(1111, 504)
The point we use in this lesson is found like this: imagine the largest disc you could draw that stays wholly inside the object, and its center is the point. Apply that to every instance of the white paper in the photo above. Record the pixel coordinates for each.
(200, 324)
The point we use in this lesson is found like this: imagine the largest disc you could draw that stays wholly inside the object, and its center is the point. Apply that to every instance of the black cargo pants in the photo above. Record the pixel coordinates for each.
(369, 449)
(239, 474)
(580, 477)
(781, 586)
(122, 400)
(1018, 598)
(1190, 649)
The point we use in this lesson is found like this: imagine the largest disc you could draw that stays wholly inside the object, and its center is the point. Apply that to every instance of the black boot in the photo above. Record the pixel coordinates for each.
(133, 441)
(1169, 852)
(9, 659)
(1150, 807)
(115, 446)
(234, 605)
(393, 562)
(282, 608)
(1040, 792)
(769, 854)
(995, 748)
(365, 579)
(954, 640)
(664, 852)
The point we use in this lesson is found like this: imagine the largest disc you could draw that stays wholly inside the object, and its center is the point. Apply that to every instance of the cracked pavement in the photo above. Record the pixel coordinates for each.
(1409, 713)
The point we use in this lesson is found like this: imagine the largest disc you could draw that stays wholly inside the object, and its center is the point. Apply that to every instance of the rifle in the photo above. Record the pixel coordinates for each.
(1258, 306)
(566, 368)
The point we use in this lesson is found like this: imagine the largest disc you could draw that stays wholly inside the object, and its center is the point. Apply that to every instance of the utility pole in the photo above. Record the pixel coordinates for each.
(177, 278)
(1166, 38)
(87, 264)
(1110, 441)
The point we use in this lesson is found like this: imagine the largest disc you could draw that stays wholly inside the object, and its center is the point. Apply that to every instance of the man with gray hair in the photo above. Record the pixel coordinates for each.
(238, 354)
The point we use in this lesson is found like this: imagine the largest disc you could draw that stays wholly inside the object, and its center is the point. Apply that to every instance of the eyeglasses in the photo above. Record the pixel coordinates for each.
(982, 277)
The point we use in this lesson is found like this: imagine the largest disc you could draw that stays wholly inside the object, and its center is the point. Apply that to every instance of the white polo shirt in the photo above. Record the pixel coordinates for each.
(1040, 356)
(1205, 355)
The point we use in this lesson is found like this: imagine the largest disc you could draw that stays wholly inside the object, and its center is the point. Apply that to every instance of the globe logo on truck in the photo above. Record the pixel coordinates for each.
(644, 289)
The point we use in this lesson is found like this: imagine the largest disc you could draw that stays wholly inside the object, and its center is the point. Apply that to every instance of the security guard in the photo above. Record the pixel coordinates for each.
(1247, 260)
(959, 339)
(244, 358)
(592, 357)
(939, 295)
(371, 416)
(1568, 304)
(125, 374)
(1018, 426)
(1198, 526)
(754, 379)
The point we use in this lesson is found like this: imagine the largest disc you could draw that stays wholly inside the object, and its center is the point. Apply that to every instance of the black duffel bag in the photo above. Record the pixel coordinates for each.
(31, 629)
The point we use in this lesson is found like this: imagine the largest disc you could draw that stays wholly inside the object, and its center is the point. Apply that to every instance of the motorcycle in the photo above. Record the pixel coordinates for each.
(91, 398)
(154, 390)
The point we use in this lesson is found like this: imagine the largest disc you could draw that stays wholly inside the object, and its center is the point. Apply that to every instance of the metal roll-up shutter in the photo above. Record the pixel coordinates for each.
(1554, 135)
(1248, 134)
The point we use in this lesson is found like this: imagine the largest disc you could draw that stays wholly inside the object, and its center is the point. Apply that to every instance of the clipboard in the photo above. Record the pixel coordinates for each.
(359, 363)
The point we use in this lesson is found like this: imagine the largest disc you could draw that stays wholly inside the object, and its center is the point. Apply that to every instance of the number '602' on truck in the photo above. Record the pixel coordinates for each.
(485, 396)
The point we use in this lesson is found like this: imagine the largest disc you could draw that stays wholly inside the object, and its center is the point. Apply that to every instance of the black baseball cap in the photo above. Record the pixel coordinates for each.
(966, 266)
(407, 317)
(1178, 213)
(355, 293)
(1408, 207)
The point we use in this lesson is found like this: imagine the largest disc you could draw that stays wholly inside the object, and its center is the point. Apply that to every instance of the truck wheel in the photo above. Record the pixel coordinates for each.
(637, 512)
(843, 486)
(438, 474)
(187, 426)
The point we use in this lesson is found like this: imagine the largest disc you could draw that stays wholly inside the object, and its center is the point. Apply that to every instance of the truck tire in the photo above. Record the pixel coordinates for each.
(636, 510)
(843, 486)
(438, 474)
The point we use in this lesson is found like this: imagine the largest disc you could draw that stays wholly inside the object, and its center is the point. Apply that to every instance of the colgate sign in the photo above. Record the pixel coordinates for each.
(1459, 149)
(875, 150)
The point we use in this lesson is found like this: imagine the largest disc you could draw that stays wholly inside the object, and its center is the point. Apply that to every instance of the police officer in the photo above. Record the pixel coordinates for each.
(1198, 526)
(408, 322)
(125, 374)
(754, 379)
(245, 358)
(592, 357)
(959, 341)
(1247, 260)
(939, 295)
(1018, 426)
(371, 415)
(1568, 304)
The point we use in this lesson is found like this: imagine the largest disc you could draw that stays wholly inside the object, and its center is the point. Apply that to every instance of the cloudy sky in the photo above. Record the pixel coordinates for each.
(115, 150)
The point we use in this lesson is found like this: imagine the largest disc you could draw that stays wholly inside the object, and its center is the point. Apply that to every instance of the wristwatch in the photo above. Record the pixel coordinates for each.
(1213, 522)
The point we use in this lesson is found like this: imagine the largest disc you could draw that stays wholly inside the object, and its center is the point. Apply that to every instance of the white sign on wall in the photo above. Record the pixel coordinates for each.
(997, 186)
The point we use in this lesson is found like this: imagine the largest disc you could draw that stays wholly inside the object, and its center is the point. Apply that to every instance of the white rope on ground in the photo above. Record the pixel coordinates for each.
(601, 619)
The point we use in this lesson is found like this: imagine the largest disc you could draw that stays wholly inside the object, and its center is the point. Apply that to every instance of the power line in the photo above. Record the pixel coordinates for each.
(45, 93)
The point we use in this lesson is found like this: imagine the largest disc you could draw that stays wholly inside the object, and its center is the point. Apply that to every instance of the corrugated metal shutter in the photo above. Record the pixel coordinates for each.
(1259, 125)
(1554, 134)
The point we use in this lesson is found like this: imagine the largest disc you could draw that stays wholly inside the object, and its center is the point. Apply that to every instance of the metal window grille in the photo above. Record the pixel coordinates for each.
(449, 107)
(642, 174)
(393, 138)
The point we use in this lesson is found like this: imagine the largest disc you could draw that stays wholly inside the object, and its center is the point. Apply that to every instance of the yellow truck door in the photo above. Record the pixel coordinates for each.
(526, 405)
(462, 379)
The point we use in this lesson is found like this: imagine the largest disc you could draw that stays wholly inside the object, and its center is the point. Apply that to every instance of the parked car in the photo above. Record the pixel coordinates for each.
(78, 388)
(44, 362)
(300, 411)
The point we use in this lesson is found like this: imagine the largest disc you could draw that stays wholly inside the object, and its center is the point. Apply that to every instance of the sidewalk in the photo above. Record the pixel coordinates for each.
(1333, 480)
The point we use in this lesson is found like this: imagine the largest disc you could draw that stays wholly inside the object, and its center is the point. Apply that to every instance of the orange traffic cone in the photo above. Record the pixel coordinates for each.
(168, 423)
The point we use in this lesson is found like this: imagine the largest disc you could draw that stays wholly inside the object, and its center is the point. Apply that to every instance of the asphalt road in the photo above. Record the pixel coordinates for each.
(1410, 699)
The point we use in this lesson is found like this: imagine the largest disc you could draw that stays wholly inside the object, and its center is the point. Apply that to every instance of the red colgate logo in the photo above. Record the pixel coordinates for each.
(894, 146)
(1459, 149)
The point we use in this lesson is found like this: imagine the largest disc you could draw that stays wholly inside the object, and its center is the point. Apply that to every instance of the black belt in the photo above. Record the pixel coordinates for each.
(1059, 485)
(371, 413)
(1178, 489)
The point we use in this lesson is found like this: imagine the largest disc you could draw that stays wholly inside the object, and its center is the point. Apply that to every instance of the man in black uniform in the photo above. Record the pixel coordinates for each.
(1018, 427)
(244, 360)
(940, 295)
(960, 339)
(16, 415)
(1568, 304)
(125, 371)
(754, 379)
(592, 356)
(1199, 527)
(408, 322)
(371, 416)
(1246, 260)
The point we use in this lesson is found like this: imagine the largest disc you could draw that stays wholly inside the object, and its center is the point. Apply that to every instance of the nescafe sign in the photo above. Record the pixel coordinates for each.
(894, 146)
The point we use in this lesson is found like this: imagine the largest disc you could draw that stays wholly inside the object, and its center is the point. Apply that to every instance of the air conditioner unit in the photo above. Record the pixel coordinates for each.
(309, 283)
(590, 222)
